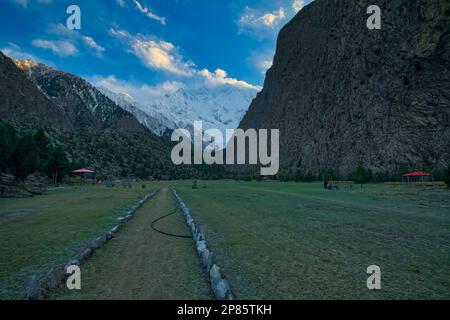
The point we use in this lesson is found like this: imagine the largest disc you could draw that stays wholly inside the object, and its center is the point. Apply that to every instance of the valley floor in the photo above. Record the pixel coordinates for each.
(298, 241)
(140, 263)
(273, 241)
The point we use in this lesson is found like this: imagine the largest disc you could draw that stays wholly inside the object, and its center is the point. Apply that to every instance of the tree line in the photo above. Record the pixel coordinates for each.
(22, 154)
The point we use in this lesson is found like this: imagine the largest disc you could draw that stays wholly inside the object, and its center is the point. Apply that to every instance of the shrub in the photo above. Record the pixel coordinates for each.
(361, 175)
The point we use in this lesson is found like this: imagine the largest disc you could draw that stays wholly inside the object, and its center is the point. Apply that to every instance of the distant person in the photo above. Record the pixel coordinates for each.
(325, 184)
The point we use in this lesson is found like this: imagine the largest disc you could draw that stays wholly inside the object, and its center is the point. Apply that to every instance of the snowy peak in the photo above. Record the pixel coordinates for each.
(221, 107)
(155, 122)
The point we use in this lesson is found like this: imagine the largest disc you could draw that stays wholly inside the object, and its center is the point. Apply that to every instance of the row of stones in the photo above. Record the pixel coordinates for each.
(219, 284)
(57, 275)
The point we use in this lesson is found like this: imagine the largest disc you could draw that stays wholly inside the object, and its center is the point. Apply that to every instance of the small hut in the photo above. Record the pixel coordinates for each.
(84, 174)
(417, 176)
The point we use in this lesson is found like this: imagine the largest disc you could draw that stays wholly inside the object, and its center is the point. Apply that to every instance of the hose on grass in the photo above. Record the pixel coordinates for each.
(167, 233)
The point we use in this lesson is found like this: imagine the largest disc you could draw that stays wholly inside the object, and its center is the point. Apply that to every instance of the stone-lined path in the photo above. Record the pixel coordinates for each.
(140, 263)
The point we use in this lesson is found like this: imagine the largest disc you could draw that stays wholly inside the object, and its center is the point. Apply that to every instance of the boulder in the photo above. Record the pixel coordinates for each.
(215, 275)
(121, 220)
(198, 236)
(74, 262)
(10, 189)
(207, 258)
(85, 255)
(33, 289)
(201, 245)
(98, 243)
(115, 229)
(222, 290)
(55, 277)
(109, 235)
(36, 184)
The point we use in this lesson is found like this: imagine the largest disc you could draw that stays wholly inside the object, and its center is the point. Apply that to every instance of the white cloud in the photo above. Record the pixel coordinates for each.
(270, 19)
(92, 44)
(298, 5)
(261, 59)
(262, 23)
(161, 55)
(15, 52)
(254, 21)
(140, 92)
(264, 65)
(220, 77)
(121, 3)
(156, 54)
(75, 38)
(61, 48)
(149, 13)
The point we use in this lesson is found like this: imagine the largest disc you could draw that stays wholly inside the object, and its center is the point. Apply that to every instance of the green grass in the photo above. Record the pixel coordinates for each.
(140, 263)
(273, 241)
(298, 241)
(44, 230)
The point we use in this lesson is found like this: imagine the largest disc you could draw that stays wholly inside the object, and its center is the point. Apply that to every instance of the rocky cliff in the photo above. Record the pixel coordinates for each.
(343, 94)
(85, 106)
(22, 102)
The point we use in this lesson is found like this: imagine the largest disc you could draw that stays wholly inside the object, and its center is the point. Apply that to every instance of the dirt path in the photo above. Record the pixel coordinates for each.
(141, 263)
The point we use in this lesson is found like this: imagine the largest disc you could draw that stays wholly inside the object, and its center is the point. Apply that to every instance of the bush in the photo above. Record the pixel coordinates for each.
(361, 175)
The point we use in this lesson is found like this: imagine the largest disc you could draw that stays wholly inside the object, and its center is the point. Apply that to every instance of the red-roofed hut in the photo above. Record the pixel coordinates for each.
(417, 176)
(85, 174)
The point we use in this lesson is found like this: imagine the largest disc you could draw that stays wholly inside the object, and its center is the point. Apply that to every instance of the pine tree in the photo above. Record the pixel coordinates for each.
(8, 141)
(25, 157)
(57, 164)
(361, 175)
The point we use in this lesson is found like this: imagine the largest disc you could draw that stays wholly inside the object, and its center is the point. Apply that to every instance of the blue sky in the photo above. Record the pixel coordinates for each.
(157, 44)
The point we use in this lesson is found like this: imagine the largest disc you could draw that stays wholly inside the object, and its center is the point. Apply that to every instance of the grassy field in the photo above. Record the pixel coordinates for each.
(140, 263)
(298, 241)
(44, 230)
(273, 241)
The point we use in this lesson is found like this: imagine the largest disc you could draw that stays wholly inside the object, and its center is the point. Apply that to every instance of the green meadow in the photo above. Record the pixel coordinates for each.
(273, 241)
(299, 241)
(38, 232)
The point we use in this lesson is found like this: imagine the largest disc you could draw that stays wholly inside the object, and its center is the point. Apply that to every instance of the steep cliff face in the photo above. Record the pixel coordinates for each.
(342, 94)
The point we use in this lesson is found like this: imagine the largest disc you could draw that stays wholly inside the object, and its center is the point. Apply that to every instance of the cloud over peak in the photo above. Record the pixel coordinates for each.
(155, 54)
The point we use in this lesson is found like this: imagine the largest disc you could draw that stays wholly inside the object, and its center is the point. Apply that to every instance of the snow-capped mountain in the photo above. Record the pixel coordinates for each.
(220, 107)
(154, 121)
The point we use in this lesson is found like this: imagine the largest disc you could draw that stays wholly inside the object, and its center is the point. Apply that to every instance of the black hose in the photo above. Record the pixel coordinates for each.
(166, 233)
